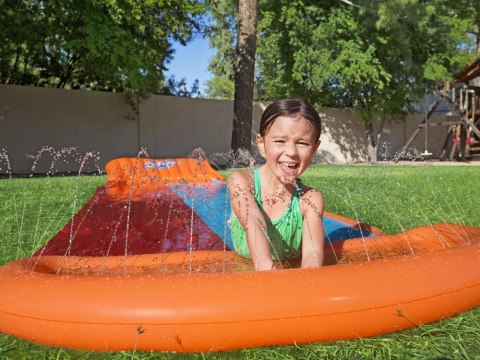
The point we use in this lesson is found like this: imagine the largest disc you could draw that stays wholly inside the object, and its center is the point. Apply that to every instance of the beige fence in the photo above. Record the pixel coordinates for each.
(57, 130)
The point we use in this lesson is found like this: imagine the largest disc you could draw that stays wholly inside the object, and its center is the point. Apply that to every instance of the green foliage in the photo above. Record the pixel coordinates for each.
(220, 87)
(375, 57)
(179, 88)
(221, 32)
(95, 44)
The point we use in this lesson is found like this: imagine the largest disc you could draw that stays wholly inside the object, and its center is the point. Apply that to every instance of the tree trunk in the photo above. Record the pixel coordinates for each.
(371, 143)
(244, 76)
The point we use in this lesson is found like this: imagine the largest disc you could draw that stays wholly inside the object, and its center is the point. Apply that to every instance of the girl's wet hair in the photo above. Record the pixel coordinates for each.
(290, 107)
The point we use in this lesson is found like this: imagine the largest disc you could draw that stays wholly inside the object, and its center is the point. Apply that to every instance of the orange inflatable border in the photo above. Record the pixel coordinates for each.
(125, 303)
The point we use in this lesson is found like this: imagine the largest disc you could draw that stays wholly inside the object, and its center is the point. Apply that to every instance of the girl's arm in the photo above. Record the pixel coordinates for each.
(313, 232)
(246, 210)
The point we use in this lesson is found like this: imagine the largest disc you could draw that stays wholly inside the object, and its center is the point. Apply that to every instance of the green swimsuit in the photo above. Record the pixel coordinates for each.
(284, 233)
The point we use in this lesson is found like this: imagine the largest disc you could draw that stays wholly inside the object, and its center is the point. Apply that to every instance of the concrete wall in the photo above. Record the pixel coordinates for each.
(58, 130)
(174, 126)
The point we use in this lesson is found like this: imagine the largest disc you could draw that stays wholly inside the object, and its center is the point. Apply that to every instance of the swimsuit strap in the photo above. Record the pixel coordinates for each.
(258, 188)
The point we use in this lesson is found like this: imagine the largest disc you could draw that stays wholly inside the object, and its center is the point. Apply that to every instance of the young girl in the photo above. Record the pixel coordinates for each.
(276, 217)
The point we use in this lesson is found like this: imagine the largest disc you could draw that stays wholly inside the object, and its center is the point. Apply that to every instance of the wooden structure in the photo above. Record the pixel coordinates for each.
(463, 136)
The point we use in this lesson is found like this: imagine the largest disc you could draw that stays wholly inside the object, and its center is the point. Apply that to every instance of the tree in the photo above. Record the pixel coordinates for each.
(244, 75)
(468, 11)
(221, 33)
(374, 57)
(113, 45)
(179, 88)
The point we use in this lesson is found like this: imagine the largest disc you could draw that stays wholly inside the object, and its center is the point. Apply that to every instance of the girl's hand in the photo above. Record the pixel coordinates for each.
(266, 266)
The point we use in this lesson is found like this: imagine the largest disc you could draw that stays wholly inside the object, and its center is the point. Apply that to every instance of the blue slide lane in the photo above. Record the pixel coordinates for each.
(211, 203)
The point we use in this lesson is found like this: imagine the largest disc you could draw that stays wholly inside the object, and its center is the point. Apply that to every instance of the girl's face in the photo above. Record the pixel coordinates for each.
(288, 147)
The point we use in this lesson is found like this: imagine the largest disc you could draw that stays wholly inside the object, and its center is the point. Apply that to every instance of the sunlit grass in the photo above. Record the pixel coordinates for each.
(33, 210)
(393, 198)
(396, 198)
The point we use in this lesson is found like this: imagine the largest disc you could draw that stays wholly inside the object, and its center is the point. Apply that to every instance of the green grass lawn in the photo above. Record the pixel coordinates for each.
(393, 198)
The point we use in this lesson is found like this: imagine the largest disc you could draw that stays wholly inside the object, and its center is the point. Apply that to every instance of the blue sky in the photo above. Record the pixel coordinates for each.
(191, 62)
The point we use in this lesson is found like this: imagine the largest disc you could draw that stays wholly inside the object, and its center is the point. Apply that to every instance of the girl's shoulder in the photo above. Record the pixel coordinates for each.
(240, 176)
(311, 200)
(308, 192)
(240, 179)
